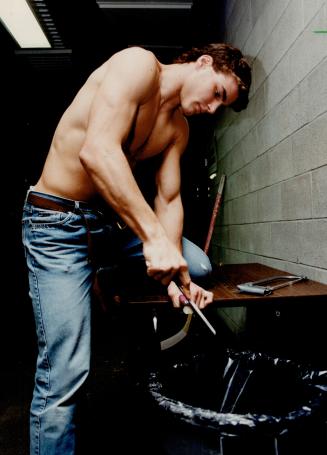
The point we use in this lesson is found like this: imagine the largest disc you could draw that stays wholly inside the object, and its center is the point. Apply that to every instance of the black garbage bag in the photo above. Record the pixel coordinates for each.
(243, 393)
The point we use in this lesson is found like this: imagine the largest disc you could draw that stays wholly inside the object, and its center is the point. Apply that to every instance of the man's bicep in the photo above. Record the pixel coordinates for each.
(110, 120)
(112, 112)
(117, 99)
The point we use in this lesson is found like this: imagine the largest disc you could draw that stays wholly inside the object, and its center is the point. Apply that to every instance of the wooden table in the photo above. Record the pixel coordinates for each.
(225, 278)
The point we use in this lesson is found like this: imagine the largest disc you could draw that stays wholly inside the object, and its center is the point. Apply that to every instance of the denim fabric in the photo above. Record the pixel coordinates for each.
(60, 281)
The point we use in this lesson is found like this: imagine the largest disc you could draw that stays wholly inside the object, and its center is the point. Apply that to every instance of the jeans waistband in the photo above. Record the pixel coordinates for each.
(59, 204)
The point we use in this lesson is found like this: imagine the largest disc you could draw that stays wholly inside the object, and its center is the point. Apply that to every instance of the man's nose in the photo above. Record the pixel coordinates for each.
(213, 106)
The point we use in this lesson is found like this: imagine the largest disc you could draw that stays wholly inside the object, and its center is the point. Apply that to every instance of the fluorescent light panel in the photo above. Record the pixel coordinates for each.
(18, 18)
(144, 5)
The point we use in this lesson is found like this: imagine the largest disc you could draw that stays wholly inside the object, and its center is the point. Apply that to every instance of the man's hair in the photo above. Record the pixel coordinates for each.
(227, 59)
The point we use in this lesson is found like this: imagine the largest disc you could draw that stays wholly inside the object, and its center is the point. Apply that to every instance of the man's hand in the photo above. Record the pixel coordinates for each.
(198, 295)
(164, 261)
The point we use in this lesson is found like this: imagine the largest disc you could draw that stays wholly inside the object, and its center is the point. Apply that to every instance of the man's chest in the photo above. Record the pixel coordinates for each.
(151, 134)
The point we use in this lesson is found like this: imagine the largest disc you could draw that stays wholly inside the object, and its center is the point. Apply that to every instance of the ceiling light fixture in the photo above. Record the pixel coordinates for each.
(144, 5)
(19, 20)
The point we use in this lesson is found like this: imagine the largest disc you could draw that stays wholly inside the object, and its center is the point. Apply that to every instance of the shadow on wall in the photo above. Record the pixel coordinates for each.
(257, 107)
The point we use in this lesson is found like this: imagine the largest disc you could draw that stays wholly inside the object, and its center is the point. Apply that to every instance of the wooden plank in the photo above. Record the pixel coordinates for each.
(225, 278)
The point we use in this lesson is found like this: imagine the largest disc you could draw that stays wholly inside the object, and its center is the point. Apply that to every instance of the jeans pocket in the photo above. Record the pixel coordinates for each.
(42, 218)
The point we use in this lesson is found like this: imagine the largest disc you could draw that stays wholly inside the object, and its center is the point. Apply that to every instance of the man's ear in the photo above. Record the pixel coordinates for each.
(204, 60)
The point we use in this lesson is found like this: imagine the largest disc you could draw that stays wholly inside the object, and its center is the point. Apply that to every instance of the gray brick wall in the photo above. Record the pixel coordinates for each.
(274, 154)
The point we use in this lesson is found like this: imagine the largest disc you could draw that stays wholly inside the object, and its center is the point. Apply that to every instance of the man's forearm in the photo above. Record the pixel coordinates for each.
(171, 217)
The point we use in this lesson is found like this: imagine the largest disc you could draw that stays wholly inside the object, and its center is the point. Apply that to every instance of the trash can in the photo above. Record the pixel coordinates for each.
(240, 402)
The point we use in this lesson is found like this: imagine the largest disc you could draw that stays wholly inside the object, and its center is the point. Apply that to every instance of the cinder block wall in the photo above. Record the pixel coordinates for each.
(274, 154)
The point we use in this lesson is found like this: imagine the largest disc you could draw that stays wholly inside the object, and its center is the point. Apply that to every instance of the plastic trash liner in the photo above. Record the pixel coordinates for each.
(249, 395)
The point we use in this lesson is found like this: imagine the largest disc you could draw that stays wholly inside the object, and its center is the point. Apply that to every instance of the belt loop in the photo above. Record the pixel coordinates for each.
(88, 232)
(31, 188)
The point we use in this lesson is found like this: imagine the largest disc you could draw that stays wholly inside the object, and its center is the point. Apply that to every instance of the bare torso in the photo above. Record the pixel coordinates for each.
(152, 131)
(129, 109)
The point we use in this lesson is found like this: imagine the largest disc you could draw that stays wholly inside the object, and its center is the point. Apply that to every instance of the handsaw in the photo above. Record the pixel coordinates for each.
(265, 287)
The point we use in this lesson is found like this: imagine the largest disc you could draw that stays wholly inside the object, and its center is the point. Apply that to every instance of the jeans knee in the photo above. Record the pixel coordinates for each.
(62, 385)
(201, 270)
(73, 379)
(198, 262)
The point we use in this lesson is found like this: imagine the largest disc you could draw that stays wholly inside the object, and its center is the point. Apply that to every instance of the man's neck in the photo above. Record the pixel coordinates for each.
(171, 82)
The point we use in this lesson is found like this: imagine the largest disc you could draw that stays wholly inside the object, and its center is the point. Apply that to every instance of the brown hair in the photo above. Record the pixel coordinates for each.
(227, 59)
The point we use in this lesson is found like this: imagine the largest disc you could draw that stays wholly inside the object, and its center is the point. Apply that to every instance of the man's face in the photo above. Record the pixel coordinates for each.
(205, 90)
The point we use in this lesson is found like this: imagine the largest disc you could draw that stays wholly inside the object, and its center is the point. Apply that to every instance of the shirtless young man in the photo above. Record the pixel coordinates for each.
(130, 109)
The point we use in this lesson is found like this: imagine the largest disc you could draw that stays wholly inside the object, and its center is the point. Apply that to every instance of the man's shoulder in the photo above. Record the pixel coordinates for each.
(135, 54)
(137, 67)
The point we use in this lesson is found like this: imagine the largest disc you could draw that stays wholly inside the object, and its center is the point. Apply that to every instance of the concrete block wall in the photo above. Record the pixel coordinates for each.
(274, 153)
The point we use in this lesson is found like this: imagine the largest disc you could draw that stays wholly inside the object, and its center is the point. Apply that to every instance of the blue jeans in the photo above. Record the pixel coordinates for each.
(60, 282)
